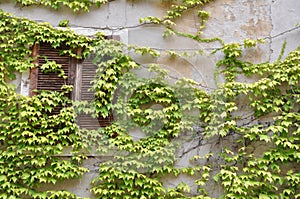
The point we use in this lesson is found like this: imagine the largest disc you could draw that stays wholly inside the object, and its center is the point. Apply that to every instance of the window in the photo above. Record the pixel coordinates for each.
(79, 74)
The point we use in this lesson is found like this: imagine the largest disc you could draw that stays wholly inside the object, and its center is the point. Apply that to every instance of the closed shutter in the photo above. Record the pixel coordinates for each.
(80, 77)
(50, 81)
(88, 72)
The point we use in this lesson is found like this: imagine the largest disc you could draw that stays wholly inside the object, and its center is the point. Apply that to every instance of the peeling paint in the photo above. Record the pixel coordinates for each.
(257, 29)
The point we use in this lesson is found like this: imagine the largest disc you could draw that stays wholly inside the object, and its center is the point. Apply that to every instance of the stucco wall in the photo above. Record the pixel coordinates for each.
(231, 20)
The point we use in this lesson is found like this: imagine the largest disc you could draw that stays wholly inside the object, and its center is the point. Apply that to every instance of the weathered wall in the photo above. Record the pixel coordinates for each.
(231, 20)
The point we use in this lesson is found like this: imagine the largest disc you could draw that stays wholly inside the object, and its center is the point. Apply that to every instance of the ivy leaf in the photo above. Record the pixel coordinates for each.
(265, 138)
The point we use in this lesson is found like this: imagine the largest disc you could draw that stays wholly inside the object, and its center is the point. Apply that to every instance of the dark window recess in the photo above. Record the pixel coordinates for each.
(88, 72)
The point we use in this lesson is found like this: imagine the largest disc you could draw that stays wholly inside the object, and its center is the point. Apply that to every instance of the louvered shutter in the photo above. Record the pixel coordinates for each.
(88, 72)
(50, 81)
(80, 77)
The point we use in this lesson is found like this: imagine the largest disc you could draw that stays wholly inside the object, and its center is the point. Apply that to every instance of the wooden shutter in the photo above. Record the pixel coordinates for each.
(80, 77)
(88, 72)
(50, 81)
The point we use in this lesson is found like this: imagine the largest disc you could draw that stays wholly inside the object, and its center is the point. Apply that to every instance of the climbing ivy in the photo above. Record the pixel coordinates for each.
(75, 5)
(33, 135)
(246, 174)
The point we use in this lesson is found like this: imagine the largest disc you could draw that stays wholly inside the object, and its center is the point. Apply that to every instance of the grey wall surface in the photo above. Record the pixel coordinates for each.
(231, 20)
